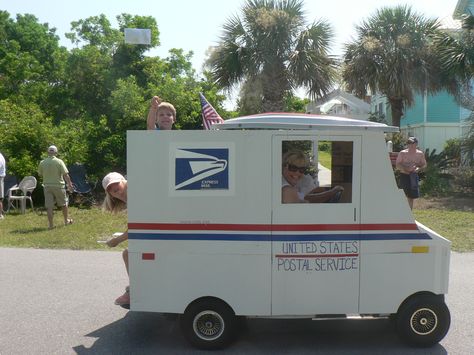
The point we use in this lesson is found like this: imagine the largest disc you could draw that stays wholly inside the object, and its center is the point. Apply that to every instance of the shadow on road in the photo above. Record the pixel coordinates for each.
(149, 333)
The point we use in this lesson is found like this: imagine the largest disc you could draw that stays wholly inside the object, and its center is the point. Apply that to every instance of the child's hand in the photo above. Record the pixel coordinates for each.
(115, 240)
(155, 101)
(112, 242)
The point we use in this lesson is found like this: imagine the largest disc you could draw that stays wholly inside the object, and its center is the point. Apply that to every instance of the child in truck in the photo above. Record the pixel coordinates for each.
(161, 116)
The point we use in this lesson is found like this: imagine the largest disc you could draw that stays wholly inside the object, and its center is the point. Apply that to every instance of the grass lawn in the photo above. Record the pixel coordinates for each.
(325, 159)
(457, 226)
(30, 230)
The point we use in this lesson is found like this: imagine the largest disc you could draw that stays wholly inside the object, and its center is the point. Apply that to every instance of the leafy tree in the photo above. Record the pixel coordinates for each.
(85, 100)
(391, 55)
(95, 31)
(31, 62)
(88, 82)
(273, 47)
(127, 105)
(295, 104)
(26, 133)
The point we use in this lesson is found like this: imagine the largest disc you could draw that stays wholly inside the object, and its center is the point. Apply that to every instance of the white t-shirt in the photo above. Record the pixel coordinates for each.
(303, 186)
(2, 166)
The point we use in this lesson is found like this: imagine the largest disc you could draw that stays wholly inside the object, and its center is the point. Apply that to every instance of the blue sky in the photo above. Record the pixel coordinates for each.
(196, 25)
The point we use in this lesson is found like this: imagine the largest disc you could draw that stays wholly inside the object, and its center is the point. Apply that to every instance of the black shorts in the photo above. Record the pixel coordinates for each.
(410, 184)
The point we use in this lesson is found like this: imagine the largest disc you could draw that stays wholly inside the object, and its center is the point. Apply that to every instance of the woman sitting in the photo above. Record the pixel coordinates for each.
(294, 167)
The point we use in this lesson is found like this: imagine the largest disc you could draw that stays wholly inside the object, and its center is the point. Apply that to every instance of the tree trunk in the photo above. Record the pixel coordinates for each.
(274, 86)
(396, 106)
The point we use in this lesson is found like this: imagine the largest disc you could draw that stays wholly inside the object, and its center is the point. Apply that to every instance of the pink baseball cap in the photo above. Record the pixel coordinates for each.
(111, 178)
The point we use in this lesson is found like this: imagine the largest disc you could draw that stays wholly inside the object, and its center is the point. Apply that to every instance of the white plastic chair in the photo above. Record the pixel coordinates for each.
(25, 188)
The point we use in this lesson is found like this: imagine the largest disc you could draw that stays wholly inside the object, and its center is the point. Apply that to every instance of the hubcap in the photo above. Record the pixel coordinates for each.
(208, 325)
(423, 321)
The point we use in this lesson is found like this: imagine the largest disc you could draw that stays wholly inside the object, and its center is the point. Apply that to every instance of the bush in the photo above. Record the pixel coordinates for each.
(398, 142)
(435, 180)
(452, 150)
(463, 178)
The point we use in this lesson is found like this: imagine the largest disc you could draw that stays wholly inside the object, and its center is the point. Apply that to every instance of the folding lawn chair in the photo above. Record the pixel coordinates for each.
(82, 187)
(8, 182)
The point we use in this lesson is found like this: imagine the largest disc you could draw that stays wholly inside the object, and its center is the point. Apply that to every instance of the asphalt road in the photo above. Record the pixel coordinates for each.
(61, 302)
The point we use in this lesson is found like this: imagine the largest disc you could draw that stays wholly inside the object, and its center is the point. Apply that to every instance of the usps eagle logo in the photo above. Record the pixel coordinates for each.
(201, 169)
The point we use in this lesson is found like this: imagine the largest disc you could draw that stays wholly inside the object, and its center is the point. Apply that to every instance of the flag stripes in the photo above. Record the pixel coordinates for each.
(209, 114)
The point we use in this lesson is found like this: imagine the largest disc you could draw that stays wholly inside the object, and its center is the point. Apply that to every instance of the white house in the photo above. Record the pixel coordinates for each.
(340, 103)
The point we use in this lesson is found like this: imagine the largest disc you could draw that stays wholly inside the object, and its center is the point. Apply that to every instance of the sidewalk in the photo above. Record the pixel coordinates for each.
(324, 176)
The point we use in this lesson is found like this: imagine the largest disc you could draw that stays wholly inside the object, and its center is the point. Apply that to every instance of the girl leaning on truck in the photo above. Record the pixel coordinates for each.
(115, 187)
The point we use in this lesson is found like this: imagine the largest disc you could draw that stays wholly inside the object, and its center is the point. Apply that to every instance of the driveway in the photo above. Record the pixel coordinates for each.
(61, 302)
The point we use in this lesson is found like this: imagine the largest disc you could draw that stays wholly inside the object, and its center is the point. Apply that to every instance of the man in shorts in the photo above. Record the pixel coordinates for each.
(54, 173)
(409, 162)
(3, 170)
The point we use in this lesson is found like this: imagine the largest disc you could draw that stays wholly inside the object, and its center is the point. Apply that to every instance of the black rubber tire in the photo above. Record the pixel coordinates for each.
(423, 320)
(208, 324)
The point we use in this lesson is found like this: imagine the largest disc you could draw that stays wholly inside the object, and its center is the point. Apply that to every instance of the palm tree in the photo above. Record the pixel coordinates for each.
(456, 54)
(271, 47)
(391, 55)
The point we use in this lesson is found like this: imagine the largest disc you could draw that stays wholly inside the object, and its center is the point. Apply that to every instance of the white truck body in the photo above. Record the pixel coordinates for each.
(205, 219)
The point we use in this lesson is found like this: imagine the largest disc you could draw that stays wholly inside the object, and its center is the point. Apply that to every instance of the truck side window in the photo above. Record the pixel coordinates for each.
(317, 171)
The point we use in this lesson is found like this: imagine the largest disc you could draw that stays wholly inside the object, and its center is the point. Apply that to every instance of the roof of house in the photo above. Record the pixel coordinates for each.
(339, 96)
(301, 121)
(449, 23)
(462, 7)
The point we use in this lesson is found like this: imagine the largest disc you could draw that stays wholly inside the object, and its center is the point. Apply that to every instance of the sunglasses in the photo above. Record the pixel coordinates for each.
(294, 168)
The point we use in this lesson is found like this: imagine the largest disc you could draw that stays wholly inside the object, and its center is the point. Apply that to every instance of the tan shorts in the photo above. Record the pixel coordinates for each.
(54, 194)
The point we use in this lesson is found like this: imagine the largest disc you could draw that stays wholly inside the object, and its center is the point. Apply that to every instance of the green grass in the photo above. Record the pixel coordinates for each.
(325, 159)
(30, 230)
(457, 226)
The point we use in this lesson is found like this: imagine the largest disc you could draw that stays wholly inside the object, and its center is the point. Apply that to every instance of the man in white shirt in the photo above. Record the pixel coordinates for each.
(3, 170)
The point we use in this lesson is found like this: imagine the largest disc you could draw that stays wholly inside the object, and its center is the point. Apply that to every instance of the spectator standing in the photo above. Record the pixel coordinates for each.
(3, 170)
(410, 162)
(55, 175)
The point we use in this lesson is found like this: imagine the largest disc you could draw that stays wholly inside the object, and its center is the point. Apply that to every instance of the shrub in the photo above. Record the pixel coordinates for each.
(436, 177)
(463, 178)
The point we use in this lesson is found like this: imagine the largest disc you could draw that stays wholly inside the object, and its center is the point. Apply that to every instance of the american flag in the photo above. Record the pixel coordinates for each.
(209, 114)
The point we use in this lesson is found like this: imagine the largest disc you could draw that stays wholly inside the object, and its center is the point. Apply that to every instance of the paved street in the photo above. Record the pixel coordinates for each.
(61, 302)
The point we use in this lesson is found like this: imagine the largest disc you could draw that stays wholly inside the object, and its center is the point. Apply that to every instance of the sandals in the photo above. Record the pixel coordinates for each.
(69, 221)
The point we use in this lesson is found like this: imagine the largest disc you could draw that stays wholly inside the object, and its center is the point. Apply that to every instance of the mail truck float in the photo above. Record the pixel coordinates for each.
(211, 240)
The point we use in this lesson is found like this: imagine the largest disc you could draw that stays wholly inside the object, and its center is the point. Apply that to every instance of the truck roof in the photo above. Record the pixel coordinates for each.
(301, 121)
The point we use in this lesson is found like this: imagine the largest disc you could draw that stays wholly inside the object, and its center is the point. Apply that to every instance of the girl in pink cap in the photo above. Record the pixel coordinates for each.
(115, 187)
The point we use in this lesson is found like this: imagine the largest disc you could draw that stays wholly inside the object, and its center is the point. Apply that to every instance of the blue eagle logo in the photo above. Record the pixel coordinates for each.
(200, 169)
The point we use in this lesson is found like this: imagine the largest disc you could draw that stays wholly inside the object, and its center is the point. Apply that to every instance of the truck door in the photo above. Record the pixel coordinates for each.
(315, 246)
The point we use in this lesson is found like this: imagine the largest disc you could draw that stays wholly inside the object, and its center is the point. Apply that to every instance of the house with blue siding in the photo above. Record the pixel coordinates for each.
(433, 119)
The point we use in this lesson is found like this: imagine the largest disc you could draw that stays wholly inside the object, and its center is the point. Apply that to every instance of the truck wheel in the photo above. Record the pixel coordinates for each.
(208, 324)
(423, 321)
